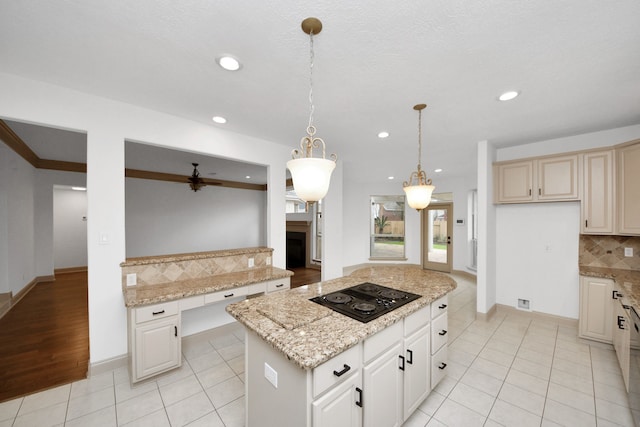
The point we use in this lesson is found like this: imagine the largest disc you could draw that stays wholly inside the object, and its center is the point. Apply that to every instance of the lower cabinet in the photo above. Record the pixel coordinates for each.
(382, 385)
(154, 340)
(621, 337)
(417, 375)
(340, 407)
(596, 309)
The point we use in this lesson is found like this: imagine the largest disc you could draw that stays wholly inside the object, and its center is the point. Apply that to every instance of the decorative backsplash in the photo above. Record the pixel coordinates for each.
(163, 269)
(608, 251)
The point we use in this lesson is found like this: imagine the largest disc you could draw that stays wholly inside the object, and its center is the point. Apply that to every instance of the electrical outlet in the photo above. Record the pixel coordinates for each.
(251, 263)
(268, 260)
(628, 252)
(132, 279)
(271, 374)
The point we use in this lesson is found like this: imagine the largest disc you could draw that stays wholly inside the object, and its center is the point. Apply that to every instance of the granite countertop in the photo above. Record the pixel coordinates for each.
(628, 282)
(309, 334)
(194, 255)
(151, 294)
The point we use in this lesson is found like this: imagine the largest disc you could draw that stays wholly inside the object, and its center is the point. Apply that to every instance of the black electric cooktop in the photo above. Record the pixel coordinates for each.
(366, 301)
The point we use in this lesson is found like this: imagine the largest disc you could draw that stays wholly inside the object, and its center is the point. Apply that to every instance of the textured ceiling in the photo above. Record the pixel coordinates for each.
(576, 63)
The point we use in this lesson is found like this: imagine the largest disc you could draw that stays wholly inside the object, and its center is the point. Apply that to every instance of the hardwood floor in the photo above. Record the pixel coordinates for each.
(304, 276)
(45, 337)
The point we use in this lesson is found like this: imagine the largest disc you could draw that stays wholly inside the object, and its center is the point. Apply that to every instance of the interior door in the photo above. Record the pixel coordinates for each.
(437, 233)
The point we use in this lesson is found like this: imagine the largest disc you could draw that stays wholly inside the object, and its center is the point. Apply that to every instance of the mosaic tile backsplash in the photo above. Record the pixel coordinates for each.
(608, 251)
(172, 268)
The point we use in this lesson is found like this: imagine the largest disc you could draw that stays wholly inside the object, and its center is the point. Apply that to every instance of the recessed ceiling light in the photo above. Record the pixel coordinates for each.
(437, 170)
(219, 119)
(229, 63)
(79, 188)
(248, 177)
(383, 134)
(391, 177)
(508, 96)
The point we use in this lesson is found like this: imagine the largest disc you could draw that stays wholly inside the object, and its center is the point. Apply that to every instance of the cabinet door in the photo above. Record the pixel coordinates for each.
(514, 182)
(621, 336)
(417, 382)
(157, 347)
(597, 193)
(596, 309)
(382, 389)
(629, 190)
(340, 406)
(558, 178)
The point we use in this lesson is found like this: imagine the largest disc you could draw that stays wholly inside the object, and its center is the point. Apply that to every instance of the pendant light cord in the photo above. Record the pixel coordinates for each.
(311, 108)
(419, 139)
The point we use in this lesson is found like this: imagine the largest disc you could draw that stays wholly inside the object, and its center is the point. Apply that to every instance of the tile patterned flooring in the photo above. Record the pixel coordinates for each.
(514, 370)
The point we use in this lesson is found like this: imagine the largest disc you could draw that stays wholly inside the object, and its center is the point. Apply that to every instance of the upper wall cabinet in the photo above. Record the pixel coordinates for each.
(598, 193)
(628, 166)
(537, 180)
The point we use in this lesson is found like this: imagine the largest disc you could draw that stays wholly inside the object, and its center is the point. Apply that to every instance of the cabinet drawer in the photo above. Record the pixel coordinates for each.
(439, 333)
(439, 306)
(156, 311)
(278, 285)
(438, 366)
(416, 320)
(381, 341)
(337, 369)
(226, 294)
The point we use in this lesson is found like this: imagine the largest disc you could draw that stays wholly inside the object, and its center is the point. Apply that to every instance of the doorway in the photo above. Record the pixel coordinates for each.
(437, 233)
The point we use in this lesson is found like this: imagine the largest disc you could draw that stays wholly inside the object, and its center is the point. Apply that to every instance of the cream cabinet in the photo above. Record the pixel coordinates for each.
(621, 337)
(340, 407)
(537, 180)
(628, 167)
(598, 192)
(596, 309)
(154, 340)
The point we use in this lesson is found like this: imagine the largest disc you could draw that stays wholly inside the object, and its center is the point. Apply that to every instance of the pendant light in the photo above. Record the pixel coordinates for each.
(311, 176)
(419, 194)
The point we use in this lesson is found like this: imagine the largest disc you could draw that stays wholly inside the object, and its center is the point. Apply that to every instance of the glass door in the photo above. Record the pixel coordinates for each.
(437, 229)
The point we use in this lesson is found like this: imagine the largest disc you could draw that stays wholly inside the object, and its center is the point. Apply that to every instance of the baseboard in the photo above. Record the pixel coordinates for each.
(24, 291)
(488, 315)
(501, 308)
(81, 269)
(108, 365)
(469, 276)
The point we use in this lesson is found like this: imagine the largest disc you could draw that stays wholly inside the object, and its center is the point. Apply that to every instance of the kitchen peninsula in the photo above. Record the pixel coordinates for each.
(307, 364)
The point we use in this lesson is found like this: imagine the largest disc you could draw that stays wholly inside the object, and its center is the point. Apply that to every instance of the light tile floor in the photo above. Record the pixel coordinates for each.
(513, 370)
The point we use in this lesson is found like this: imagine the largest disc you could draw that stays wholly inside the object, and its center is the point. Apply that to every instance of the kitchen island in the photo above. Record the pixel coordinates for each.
(309, 365)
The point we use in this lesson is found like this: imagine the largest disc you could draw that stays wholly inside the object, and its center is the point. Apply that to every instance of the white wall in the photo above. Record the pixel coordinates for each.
(487, 261)
(167, 218)
(107, 124)
(537, 249)
(17, 218)
(69, 228)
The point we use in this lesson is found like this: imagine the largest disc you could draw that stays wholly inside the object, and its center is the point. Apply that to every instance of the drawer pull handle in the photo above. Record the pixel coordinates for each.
(346, 369)
(175, 330)
(442, 333)
(410, 357)
(155, 313)
(280, 285)
(621, 322)
(229, 295)
(401, 365)
(359, 401)
(442, 365)
(442, 306)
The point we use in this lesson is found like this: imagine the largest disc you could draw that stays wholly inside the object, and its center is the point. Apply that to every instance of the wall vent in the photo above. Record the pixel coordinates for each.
(523, 304)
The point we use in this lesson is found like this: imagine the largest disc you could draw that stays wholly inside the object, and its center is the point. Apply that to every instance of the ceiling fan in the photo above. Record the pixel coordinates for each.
(195, 182)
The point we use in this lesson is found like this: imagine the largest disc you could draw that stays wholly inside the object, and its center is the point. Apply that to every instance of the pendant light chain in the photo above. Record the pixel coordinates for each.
(311, 129)
(419, 140)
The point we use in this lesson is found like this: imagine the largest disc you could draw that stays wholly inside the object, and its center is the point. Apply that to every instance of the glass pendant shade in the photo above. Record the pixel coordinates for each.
(419, 196)
(311, 177)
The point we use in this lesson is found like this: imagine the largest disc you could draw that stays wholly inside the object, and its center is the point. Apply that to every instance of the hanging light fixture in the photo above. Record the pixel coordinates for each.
(419, 194)
(195, 182)
(311, 176)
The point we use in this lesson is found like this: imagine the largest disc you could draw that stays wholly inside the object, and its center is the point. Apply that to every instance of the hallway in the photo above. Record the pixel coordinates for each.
(45, 337)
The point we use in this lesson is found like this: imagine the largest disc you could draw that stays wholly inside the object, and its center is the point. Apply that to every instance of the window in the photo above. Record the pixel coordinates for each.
(387, 227)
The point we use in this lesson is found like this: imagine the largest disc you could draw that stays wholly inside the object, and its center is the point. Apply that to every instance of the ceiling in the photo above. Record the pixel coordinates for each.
(575, 62)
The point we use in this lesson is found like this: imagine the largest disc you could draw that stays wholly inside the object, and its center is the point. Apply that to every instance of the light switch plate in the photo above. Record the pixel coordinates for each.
(132, 279)
(268, 260)
(251, 262)
(628, 252)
